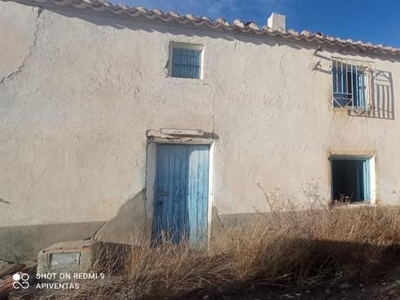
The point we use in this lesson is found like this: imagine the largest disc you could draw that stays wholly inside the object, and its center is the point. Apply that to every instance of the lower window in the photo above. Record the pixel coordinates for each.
(351, 179)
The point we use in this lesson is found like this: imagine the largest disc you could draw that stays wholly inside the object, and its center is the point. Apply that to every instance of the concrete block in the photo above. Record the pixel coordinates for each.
(82, 256)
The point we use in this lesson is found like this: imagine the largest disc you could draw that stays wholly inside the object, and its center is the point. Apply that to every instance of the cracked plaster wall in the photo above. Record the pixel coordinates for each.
(81, 90)
(18, 35)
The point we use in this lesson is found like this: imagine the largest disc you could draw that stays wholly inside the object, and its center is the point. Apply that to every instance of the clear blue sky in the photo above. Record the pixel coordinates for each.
(376, 21)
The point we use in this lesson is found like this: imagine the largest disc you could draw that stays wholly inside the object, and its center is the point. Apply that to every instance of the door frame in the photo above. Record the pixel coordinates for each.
(151, 155)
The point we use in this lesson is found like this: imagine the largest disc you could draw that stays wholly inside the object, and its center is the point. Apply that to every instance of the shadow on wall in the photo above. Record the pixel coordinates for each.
(382, 106)
(125, 22)
(4, 201)
(109, 19)
(382, 103)
(21, 243)
(129, 225)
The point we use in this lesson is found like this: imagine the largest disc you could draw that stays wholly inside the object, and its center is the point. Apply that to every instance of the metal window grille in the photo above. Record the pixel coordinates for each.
(186, 63)
(352, 83)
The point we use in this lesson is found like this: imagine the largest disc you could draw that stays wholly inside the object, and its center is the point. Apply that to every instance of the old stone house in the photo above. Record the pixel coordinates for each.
(116, 122)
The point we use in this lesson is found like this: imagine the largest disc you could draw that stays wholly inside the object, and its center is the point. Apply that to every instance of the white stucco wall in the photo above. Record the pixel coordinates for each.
(87, 87)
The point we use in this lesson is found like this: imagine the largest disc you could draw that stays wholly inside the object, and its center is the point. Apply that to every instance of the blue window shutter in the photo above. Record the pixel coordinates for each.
(349, 85)
(367, 185)
(334, 77)
(176, 63)
(186, 63)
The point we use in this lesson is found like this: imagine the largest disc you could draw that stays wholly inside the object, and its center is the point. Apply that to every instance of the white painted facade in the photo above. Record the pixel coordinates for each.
(79, 90)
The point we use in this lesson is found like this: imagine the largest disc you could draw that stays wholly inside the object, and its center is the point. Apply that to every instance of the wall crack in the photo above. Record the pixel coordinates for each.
(35, 39)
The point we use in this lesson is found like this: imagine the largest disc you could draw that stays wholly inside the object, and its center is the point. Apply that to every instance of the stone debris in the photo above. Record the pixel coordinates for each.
(345, 285)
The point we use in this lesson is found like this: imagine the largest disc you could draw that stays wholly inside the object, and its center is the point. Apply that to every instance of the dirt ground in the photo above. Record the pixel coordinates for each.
(385, 287)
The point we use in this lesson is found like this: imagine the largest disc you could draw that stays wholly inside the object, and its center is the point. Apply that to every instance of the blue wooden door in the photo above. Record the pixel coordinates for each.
(181, 193)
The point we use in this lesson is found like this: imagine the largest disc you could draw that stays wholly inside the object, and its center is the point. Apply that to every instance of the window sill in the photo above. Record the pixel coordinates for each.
(347, 108)
(353, 205)
(180, 80)
(340, 109)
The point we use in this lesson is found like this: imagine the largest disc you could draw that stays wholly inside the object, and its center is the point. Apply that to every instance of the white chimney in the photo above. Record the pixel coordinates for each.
(276, 21)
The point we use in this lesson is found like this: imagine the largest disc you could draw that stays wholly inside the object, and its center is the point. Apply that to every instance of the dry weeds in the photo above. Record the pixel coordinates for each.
(292, 247)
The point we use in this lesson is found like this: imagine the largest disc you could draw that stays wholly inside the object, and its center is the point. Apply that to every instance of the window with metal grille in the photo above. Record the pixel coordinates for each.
(186, 63)
(351, 84)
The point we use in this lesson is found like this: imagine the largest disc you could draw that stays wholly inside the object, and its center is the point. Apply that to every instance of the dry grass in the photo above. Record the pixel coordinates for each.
(303, 247)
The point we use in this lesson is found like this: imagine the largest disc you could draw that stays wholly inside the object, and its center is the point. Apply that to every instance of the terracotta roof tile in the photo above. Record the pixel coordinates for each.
(156, 14)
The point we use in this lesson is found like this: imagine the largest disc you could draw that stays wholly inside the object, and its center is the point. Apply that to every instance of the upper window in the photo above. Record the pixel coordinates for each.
(186, 61)
(351, 84)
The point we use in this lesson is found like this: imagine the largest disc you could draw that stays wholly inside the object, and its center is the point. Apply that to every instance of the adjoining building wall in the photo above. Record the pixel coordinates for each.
(82, 90)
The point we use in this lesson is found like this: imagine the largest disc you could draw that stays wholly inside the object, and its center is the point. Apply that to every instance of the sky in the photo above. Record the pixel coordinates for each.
(375, 21)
